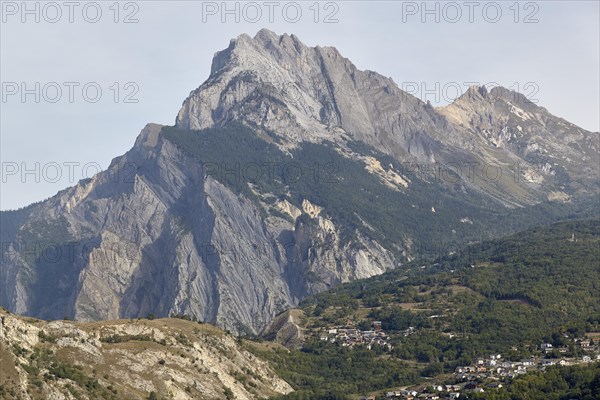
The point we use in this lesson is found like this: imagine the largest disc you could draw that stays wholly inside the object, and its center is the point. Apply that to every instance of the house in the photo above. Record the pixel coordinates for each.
(409, 393)
(548, 363)
(562, 363)
(546, 347)
(528, 362)
(454, 395)
(562, 349)
(452, 388)
(409, 331)
(494, 385)
(586, 359)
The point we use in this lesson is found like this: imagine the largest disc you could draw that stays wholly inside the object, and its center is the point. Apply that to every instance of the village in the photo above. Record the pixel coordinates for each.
(493, 372)
(484, 374)
(356, 337)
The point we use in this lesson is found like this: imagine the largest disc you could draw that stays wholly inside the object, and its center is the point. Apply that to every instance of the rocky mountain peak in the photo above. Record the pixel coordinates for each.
(252, 52)
(474, 94)
(306, 93)
(268, 38)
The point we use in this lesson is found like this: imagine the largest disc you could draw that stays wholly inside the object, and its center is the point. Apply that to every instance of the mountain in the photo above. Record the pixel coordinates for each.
(128, 359)
(288, 172)
(314, 94)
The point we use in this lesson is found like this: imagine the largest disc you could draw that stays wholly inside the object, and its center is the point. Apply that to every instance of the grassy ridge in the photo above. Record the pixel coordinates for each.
(505, 296)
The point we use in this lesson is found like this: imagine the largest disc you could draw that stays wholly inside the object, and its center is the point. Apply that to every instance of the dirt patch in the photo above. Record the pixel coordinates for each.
(522, 302)
(461, 289)
(411, 306)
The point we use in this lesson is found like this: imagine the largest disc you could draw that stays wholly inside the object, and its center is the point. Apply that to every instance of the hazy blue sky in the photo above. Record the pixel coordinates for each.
(548, 50)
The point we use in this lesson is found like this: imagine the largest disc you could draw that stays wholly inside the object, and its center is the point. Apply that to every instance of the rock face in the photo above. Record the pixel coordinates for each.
(559, 159)
(154, 234)
(160, 232)
(130, 359)
(309, 94)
